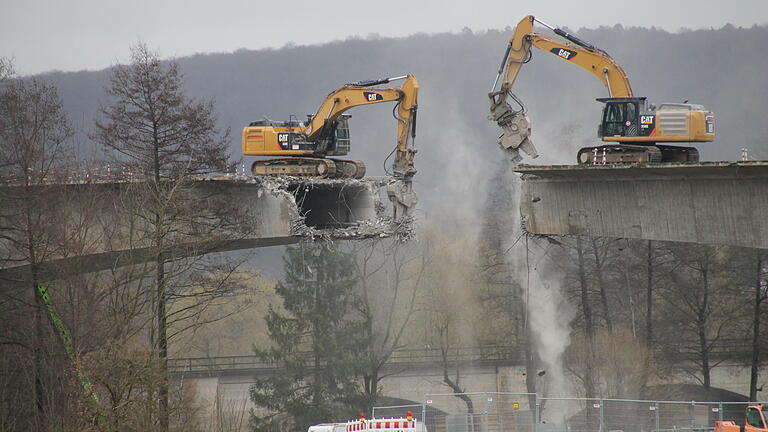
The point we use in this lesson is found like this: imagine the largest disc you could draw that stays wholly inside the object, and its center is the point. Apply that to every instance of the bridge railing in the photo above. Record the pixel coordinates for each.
(726, 348)
(722, 349)
(403, 356)
(210, 364)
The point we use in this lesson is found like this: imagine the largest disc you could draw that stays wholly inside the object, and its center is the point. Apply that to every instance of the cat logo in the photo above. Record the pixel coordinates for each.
(646, 119)
(372, 97)
(282, 137)
(564, 53)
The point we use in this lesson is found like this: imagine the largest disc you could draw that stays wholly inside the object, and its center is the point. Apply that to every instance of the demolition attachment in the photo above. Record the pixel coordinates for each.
(515, 126)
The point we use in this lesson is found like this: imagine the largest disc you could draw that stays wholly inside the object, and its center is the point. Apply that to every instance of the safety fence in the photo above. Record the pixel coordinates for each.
(527, 412)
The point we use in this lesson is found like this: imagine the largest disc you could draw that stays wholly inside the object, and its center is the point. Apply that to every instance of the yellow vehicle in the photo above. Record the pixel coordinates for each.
(304, 149)
(630, 127)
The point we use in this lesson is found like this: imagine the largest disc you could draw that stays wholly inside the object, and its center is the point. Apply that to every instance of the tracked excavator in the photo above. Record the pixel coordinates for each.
(309, 148)
(633, 131)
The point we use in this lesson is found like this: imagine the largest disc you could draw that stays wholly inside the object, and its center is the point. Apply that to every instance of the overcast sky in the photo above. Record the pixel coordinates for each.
(43, 35)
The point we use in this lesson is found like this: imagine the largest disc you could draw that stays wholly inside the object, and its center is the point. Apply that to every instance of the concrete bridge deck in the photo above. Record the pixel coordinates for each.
(709, 202)
(271, 211)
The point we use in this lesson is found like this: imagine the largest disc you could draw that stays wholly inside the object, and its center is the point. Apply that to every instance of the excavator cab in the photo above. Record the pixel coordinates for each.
(622, 117)
(335, 142)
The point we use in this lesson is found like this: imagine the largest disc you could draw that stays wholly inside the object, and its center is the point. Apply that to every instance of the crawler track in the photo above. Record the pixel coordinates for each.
(309, 167)
(626, 154)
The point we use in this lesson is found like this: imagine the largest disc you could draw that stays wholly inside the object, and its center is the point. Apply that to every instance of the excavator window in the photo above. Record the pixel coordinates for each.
(613, 120)
(341, 135)
(620, 119)
(754, 418)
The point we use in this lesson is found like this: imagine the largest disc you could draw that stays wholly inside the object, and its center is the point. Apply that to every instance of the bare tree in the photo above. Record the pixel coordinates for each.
(389, 279)
(34, 153)
(761, 295)
(616, 362)
(601, 255)
(165, 139)
(701, 307)
(449, 305)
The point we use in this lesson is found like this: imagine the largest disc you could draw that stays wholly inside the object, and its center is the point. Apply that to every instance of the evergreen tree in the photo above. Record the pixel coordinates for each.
(317, 338)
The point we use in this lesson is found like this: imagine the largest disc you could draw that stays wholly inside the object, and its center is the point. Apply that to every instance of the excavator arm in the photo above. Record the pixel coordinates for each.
(349, 96)
(364, 93)
(401, 192)
(514, 123)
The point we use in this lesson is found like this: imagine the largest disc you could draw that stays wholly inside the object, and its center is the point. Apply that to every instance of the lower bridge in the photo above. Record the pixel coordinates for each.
(412, 374)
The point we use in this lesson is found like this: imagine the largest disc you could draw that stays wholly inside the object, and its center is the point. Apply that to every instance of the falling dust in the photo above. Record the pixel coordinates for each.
(547, 312)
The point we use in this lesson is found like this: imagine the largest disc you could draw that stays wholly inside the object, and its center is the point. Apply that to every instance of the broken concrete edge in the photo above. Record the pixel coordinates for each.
(738, 169)
(381, 226)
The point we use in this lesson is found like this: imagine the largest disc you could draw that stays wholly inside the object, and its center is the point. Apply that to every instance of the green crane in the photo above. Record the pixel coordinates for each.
(66, 339)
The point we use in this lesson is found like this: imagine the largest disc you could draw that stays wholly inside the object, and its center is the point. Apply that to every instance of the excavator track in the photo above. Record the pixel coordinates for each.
(626, 154)
(309, 167)
(295, 166)
(346, 168)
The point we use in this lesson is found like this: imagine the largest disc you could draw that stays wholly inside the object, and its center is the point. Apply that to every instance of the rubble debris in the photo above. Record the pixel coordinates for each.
(338, 209)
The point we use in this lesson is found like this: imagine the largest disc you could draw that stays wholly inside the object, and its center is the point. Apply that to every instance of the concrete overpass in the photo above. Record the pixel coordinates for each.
(413, 373)
(410, 374)
(709, 202)
(271, 211)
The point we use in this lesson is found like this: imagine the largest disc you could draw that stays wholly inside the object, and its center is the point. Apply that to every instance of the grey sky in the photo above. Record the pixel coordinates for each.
(43, 35)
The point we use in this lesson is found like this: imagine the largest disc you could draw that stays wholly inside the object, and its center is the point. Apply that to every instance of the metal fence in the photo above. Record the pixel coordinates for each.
(480, 412)
(526, 412)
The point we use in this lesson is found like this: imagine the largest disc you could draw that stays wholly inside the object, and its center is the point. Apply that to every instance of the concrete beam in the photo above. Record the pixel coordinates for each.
(710, 202)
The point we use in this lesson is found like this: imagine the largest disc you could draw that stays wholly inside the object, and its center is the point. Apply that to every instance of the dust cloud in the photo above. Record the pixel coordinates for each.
(547, 311)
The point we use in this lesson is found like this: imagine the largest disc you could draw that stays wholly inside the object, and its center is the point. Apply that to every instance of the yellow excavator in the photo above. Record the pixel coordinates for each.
(631, 128)
(305, 149)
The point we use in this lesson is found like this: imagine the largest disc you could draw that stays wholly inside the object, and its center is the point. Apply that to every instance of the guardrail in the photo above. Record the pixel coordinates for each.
(728, 348)
(403, 356)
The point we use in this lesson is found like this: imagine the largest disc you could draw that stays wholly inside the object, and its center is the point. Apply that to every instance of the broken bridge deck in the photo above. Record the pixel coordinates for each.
(273, 211)
(708, 202)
